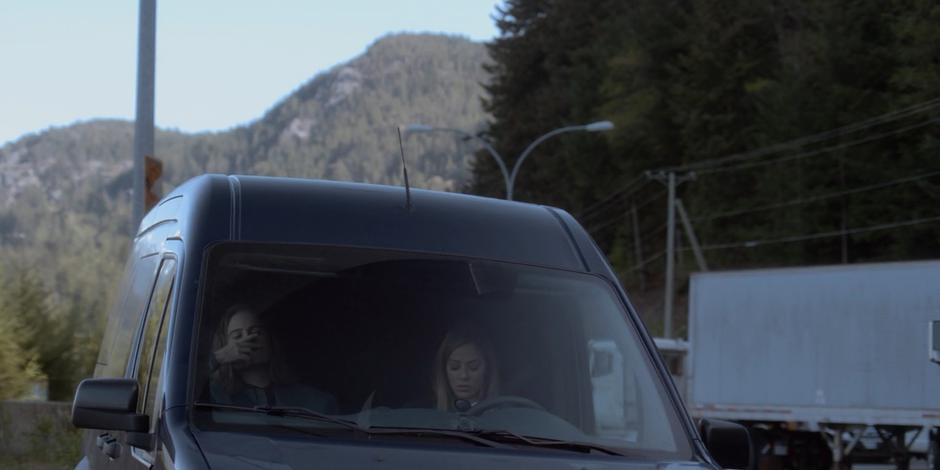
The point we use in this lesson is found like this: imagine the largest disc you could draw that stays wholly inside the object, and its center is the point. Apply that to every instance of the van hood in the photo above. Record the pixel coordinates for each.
(240, 451)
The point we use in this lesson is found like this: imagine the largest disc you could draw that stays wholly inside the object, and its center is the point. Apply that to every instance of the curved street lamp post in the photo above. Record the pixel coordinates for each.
(510, 178)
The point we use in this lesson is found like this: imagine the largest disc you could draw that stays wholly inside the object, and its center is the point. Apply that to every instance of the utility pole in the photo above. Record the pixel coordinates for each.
(143, 121)
(671, 182)
(670, 254)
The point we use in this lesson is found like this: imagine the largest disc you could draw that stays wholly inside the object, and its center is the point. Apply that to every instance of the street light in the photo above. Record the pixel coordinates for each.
(598, 126)
(510, 178)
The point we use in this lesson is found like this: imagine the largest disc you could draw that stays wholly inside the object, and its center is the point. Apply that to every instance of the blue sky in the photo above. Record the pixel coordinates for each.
(219, 63)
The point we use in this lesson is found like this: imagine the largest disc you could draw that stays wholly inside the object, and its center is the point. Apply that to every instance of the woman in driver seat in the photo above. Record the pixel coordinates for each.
(465, 371)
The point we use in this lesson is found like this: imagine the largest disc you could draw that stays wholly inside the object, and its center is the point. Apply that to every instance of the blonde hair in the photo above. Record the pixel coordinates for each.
(443, 395)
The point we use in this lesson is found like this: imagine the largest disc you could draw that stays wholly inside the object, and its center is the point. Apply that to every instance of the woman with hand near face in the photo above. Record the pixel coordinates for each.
(246, 370)
(464, 370)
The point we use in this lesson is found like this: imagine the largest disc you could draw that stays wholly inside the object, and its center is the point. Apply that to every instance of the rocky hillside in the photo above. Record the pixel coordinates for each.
(339, 125)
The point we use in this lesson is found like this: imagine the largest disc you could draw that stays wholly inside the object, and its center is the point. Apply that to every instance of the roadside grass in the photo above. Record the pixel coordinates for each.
(53, 447)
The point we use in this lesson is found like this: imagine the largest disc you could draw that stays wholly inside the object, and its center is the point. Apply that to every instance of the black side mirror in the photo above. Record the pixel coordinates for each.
(108, 404)
(728, 443)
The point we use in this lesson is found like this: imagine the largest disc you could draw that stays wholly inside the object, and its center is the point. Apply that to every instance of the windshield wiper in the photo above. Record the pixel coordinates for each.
(503, 435)
(291, 411)
(371, 431)
(418, 432)
(488, 438)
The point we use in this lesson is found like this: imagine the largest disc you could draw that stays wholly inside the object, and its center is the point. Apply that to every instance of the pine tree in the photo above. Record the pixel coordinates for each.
(18, 365)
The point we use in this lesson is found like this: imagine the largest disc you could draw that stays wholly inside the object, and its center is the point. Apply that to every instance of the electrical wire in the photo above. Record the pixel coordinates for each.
(616, 218)
(786, 158)
(755, 243)
(662, 227)
(714, 167)
(814, 236)
(816, 198)
(810, 139)
(623, 191)
(705, 167)
(640, 266)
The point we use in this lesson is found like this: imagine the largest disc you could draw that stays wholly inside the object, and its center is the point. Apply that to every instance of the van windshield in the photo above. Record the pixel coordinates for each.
(383, 340)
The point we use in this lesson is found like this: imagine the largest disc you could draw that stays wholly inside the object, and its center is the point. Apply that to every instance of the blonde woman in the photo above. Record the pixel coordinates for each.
(464, 369)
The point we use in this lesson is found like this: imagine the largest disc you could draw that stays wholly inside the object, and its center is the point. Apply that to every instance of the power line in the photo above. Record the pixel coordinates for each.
(643, 239)
(796, 238)
(790, 239)
(799, 238)
(744, 166)
(650, 176)
(640, 266)
(623, 191)
(616, 218)
(651, 199)
(714, 166)
(816, 198)
(814, 138)
(802, 200)
(655, 231)
(703, 166)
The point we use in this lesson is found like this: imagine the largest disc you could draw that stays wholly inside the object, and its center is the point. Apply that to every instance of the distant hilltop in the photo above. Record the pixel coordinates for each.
(339, 125)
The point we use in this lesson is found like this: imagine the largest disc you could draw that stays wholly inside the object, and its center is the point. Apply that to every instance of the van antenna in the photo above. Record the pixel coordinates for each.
(404, 170)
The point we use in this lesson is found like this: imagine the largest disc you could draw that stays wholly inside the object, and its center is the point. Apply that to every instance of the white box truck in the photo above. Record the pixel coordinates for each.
(829, 366)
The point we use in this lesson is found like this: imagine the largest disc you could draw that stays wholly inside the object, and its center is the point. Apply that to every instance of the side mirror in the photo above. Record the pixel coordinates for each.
(728, 443)
(934, 341)
(604, 358)
(108, 404)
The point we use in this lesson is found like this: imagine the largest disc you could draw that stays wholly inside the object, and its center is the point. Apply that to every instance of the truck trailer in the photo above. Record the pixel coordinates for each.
(828, 366)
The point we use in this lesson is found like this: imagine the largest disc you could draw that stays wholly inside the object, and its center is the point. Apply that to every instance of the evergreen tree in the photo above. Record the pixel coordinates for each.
(47, 338)
(545, 73)
(17, 365)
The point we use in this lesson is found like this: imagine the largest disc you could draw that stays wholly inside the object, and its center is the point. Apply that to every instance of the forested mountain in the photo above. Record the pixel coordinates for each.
(339, 125)
(65, 192)
(810, 127)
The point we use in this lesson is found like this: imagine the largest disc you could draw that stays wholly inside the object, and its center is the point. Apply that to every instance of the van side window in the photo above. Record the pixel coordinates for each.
(125, 320)
(153, 341)
(127, 278)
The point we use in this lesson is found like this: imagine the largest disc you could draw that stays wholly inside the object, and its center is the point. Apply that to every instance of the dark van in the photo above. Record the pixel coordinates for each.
(281, 323)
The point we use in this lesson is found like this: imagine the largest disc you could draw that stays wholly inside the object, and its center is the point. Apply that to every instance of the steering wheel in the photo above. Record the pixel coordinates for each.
(503, 402)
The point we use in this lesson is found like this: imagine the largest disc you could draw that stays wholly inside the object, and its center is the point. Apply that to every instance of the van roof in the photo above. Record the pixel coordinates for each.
(212, 208)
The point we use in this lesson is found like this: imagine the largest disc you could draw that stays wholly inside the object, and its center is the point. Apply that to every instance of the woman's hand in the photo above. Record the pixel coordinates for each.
(237, 350)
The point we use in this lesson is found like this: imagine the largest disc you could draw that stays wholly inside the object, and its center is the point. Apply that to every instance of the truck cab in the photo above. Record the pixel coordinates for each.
(284, 323)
